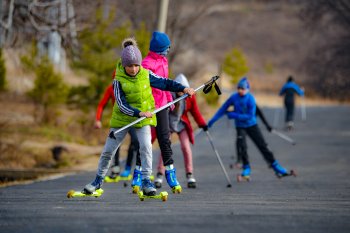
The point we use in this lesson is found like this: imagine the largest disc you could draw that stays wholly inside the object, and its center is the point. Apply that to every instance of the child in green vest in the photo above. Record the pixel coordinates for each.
(133, 93)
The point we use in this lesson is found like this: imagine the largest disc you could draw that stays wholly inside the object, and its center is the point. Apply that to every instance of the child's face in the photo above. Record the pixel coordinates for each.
(132, 70)
(242, 91)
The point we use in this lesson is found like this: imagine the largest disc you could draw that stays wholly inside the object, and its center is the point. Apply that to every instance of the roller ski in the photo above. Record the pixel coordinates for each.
(245, 175)
(73, 194)
(163, 196)
(191, 181)
(116, 179)
(170, 176)
(90, 190)
(281, 171)
(114, 176)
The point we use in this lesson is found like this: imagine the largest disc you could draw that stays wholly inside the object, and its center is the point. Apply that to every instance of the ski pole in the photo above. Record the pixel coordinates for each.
(207, 87)
(303, 109)
(229, 184)
(283, 136)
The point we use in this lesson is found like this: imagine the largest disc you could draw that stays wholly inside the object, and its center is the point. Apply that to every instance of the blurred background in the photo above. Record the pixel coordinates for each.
(57, 57)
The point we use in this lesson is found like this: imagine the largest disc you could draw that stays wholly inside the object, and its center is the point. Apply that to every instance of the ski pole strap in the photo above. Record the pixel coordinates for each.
(209, 83)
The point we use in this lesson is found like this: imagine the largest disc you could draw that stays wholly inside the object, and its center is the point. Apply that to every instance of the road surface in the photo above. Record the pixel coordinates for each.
(318, 200)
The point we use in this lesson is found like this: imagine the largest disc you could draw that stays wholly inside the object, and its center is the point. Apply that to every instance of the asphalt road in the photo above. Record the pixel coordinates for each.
(318, 200)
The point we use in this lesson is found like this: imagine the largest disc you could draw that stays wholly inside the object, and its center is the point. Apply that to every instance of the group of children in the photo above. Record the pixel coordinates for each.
(141, 86)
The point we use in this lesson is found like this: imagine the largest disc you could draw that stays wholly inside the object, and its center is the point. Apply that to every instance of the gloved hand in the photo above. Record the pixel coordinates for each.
(205, 128)
(269, 128)
(172, 107)
(210, 123)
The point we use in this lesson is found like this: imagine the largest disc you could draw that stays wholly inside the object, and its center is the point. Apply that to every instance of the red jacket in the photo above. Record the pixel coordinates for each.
(192, 107)
(108, 95)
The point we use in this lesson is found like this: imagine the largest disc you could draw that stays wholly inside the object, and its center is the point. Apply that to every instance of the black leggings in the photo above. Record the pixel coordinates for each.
(255, 134)
(163, 137)
(289, 111)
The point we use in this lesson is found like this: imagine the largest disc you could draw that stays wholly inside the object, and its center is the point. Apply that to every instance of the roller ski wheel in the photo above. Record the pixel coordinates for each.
(176, 189)
(126, 179)
(109, 179)
(191, 185)
(135, 189)
(236, 166)
(158, 185)
(162, 196)
(73, 194)
(241, 178)
(291, 173)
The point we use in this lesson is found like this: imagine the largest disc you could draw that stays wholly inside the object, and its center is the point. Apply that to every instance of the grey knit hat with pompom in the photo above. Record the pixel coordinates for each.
(131, 54)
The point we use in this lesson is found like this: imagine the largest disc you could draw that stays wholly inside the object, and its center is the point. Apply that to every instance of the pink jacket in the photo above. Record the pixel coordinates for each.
(158, 64)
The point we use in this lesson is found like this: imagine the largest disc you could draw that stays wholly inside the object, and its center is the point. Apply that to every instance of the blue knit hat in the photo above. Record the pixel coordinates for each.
(159, 42)
(243, 83)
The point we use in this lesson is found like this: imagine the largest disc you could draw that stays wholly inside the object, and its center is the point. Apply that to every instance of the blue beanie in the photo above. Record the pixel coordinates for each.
(243, 83)
(159, 42)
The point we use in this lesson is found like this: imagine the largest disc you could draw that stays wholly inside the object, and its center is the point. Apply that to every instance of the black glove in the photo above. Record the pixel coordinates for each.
(269, 128)
(111, 135)
(205, 128)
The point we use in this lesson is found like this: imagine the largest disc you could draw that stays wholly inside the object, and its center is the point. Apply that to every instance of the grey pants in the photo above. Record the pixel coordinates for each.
(112, 144)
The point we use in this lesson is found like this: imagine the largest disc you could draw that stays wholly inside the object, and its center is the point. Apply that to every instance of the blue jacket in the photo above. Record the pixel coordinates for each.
(291, 85)
(244, 110)
(289, 89)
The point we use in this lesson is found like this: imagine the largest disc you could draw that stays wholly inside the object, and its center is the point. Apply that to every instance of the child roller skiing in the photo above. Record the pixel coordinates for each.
(240, 147)
(288, 90)
(132, 90)
(134, 143)
(180, 124)
(244, 115)
(157, 62)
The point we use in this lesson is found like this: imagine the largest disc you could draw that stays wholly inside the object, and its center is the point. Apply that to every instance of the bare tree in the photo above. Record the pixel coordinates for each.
(180, 22)
(51, 22)
(329, 59)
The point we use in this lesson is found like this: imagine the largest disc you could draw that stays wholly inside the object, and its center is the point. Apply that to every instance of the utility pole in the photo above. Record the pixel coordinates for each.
(163, 14)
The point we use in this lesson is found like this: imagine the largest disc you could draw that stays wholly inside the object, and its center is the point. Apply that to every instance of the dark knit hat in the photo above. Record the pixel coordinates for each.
(159, 42)
(131, 55)
(243, 83)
